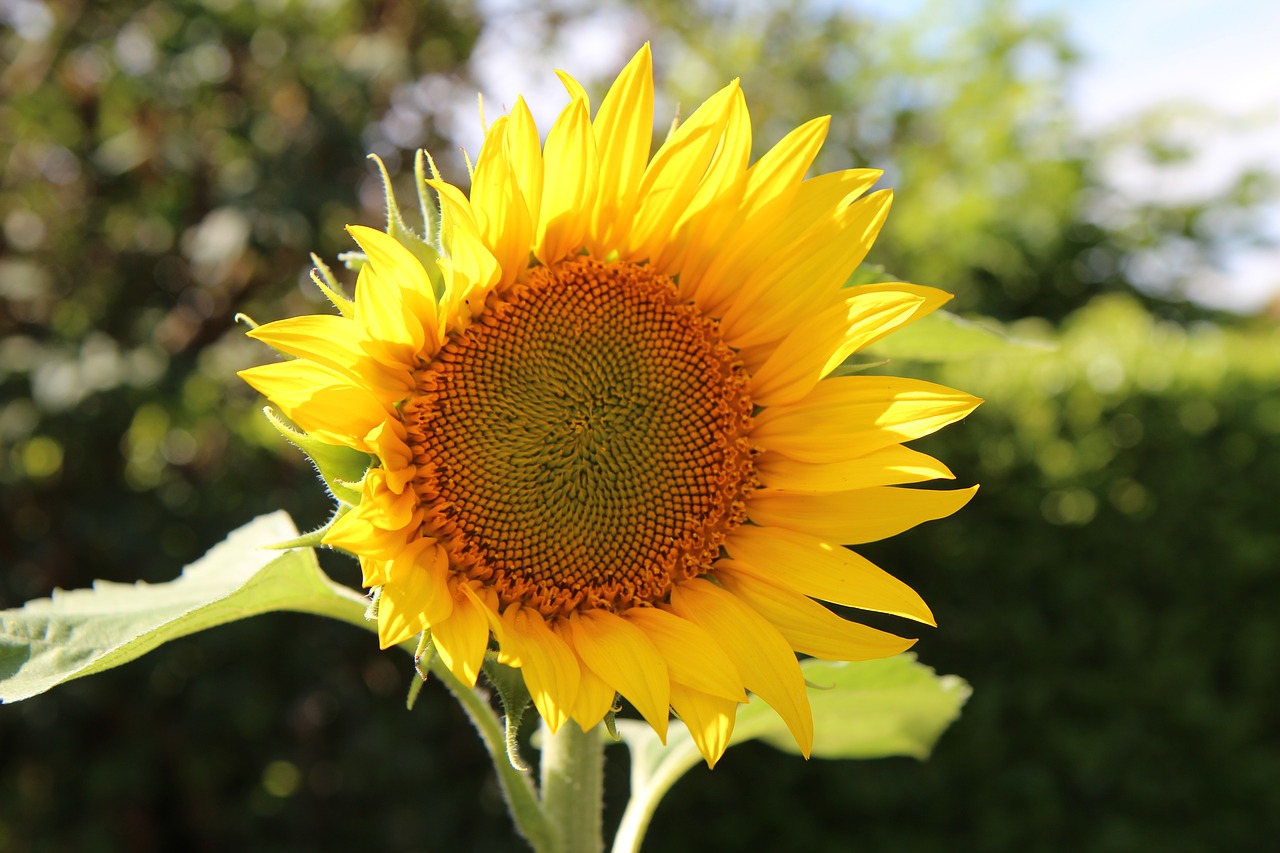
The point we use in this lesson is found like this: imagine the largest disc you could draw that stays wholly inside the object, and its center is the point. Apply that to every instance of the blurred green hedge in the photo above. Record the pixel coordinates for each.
(1110, 594)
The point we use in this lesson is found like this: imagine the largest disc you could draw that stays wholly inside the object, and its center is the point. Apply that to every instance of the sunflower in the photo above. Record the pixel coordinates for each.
(607, 445)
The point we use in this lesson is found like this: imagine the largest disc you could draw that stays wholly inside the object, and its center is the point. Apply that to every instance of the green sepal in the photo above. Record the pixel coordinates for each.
(424, 654)
(329, 286)
(337, 466)
(515, 699)
(313, 538)
(611, 724)
(426, 204)
(423, 657)
(430, 216)
(403, 234)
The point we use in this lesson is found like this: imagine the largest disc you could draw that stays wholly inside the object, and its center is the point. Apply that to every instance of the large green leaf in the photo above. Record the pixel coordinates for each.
(871, 709)
(81, 632)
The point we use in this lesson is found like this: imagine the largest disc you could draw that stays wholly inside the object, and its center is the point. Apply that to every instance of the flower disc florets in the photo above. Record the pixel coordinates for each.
(570, 403)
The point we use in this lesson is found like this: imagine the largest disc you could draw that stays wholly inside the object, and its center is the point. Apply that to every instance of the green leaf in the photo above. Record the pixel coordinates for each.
(82, 632)
(870, 709)
(942, 336)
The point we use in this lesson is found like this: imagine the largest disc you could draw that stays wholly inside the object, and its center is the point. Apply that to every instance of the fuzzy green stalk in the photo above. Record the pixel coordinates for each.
(572, 786)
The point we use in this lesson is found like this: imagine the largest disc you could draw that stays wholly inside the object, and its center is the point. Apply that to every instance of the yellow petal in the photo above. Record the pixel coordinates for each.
(381, 525)
(524, 153)
(388, 441)
(470, 268)
(622, 655)
(502, 216)
(785, 163)
(624, 132)
(709, 719)
(772, 235)
(549, 666)
(486, 598)
(816, 346)
(410, 594)
(570, 181)
(673, 176)
(596, 697)
(373, 572)
(330, 340)
(421, 570)
(320, 400)
(761, 655)
(461, 639)
(398, 619)
(781, 295)
(693, 657)
(708, 216)
(932, 296)
(395, 301)
(824, 570)
(355, 534)
(845, 417)
(888, 466)
(854, 517)
(809, 627)
(383, 506)
(574, 88)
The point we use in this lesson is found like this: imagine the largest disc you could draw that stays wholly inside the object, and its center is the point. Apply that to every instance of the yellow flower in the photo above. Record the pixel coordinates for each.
(605, 433)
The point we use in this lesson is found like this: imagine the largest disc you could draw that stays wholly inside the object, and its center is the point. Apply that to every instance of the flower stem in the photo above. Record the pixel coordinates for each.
(572, 786)
(516, 787)
(340, 602)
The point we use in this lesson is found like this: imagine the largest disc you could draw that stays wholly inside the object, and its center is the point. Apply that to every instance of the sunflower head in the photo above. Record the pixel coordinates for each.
(606, 443)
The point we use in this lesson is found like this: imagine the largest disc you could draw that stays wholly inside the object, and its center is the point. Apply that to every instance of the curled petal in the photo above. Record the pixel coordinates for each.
(461, 639)
(550, 667)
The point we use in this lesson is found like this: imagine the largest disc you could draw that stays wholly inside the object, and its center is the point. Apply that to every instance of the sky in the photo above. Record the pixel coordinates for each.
(1137, 53)
(1223, 53)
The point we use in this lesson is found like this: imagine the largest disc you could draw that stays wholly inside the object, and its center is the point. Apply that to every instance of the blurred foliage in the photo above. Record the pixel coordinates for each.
(1110, 596)
(999, 199)
(165, 165)
(162, 163)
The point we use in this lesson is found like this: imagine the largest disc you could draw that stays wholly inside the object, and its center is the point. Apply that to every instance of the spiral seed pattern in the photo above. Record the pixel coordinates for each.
(583, 443)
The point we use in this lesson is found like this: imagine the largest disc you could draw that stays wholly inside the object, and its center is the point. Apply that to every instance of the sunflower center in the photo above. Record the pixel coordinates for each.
(583, 443)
